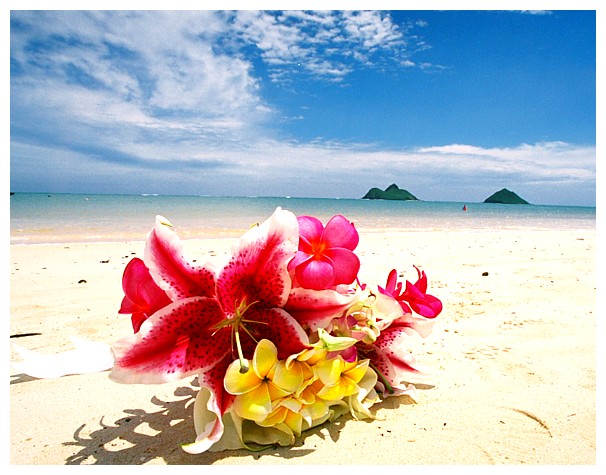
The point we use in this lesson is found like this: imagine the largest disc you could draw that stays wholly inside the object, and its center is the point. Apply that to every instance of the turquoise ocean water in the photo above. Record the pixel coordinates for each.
(58, 218)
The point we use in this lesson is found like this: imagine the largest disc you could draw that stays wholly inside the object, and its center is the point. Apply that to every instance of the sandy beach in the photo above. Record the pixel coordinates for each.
(515, 348)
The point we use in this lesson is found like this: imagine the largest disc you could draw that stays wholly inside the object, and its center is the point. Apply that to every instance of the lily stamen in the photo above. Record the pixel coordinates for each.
(244, 367)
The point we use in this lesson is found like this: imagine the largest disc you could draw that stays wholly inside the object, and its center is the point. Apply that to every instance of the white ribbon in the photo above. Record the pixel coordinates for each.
(87, 357)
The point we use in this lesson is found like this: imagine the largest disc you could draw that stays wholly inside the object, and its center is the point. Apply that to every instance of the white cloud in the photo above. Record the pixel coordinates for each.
(535, 12)
(129, 86)
(127, 78)
(320, 43)
(373, 30)
(549, 161)
(455, 172)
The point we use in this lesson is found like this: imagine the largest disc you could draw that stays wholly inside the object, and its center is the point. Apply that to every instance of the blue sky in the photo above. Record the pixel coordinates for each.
(451, 105)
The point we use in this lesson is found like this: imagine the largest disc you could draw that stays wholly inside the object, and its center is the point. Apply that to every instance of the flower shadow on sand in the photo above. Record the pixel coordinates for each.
(141, 437)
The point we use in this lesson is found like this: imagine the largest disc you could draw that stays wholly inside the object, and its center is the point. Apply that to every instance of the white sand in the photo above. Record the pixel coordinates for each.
(516, 349)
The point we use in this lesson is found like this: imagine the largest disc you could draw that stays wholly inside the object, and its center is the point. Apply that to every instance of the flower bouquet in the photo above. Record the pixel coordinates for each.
(282, 338)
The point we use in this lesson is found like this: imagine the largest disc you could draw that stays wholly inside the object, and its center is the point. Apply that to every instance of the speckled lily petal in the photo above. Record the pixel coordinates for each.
(257, 271)
(392, 358)
(279, 327)
(173, 273)
(315, 309)
(173, 343)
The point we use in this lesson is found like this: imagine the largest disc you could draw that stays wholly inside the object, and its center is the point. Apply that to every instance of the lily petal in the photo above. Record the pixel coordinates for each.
(207, 422)
(278, 326)
(173, 343)
(392, 358)
(257, 271)
(211, 403)
(386, 310)
(178, 277)
(315, 309)
(419, 324)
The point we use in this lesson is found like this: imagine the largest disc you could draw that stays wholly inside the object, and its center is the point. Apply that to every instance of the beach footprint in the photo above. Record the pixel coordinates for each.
(489, 351)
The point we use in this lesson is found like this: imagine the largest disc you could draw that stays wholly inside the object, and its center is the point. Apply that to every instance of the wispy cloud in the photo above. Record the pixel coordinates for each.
(321, 43)
(534, 12)
(455, 172)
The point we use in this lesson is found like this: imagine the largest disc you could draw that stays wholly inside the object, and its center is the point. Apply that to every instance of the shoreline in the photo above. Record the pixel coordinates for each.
(515, 348)
(234, 235)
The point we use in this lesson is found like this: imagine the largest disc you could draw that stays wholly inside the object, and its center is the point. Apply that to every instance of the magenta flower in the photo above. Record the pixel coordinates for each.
(414, 298)
(142, 296)
(325, 258)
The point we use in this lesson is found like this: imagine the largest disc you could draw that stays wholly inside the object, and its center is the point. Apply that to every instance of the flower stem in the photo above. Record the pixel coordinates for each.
(383, 378)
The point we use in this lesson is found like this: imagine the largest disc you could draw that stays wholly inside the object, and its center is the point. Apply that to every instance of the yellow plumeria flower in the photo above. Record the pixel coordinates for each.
(340, 378)
(326, 343)
(286, 417)
(289, 378)
(264, 382)
(293, 395)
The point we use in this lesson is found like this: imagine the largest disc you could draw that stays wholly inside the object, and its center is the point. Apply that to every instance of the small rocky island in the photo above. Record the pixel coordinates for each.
(506, 196)
(392, 192)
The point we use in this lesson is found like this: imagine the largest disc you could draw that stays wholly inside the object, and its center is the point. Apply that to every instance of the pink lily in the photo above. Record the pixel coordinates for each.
(208, 315)
(414, 298)
(325, 257)
(142, 296)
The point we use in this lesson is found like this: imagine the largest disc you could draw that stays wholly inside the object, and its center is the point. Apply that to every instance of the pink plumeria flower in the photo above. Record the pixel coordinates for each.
(325, 258)
(414, 298)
